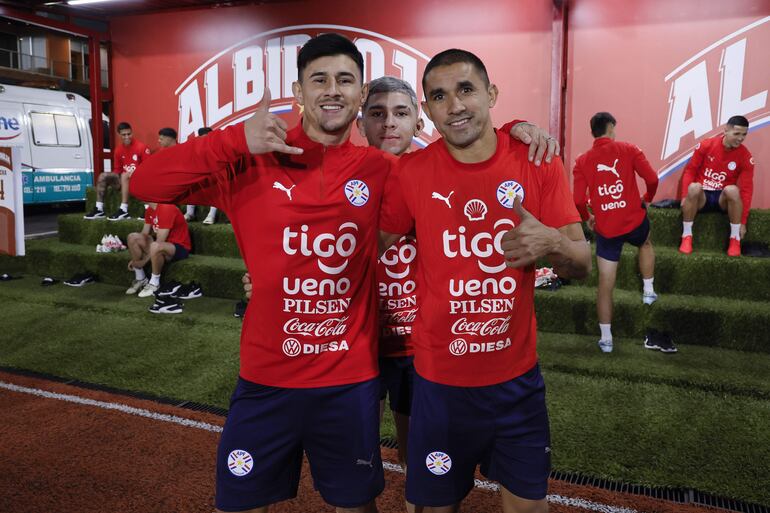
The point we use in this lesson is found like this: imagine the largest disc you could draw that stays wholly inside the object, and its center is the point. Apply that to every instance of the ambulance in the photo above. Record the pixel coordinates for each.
(53, 131)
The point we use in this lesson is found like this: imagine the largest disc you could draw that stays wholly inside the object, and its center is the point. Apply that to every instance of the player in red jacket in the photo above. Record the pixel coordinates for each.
(605, 175)
(719, 178)
(483, 215)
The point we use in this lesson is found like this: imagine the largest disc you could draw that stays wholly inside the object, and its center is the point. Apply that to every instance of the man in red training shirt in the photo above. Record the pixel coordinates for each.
(483, 215)
(605, 175)
(719, 177)
(128, 155)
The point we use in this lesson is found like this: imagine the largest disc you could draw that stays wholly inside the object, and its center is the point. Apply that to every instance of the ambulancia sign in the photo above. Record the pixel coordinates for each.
(718, 82)
(226, 88)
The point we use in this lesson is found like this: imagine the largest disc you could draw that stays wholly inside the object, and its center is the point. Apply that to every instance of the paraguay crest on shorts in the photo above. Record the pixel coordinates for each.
(357, 192)
(507, 192)
(240, 462)
(439, 463)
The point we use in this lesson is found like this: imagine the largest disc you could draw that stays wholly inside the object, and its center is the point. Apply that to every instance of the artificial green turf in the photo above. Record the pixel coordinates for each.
(708, 321)
(694, 419)
(704, 273)
(723, 371)
(660, 435)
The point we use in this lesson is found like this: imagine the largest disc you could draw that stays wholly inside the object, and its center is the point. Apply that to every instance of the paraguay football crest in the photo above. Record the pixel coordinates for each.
(439, 463)
(507, 192)
(240, 462)
(357, 192)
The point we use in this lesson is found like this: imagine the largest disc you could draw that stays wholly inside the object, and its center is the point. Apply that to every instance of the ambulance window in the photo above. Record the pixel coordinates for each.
(54, 129)
(67, 130)
(43, 129)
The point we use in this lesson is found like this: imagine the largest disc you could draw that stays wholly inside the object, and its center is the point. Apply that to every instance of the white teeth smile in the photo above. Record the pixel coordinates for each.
(459, 123)
(331, 107)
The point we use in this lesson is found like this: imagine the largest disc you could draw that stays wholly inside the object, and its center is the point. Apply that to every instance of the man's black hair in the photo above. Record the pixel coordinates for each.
(738, 121)
(454, 56)
(123, 126)
(168, 132)
(599, 123)
(204, 130)
(329, 45)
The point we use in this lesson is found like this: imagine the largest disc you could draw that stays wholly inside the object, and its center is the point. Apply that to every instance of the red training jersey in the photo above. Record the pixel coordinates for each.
(606, 174)
(476, 323)
(307, 228)
(168, 217)
(715, 167)
(397, 295)
(127, 158)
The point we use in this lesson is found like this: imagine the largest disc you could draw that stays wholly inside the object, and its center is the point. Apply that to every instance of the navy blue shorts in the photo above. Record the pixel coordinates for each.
(259, 458)
(397, 381)
(180, 253)
(610, 248)
(712, 202)
(502, 427)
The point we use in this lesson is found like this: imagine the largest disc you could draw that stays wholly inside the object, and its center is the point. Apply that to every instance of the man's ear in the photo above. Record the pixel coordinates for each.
(418, 127)
(426, 110)
(296, 89)
(492, 92)
(360, 125)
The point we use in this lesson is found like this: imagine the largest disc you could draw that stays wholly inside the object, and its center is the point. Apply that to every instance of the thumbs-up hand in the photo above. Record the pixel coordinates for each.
(266, 132)
(529, 240)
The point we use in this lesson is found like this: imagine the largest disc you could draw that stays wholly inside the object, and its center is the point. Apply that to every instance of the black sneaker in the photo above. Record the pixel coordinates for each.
(660, 341)
(240, 308)
(119, 215)
(80, 279)
(166, 306)
(169, 289)
(190, 291)
(47, 281)
(95, 213)
(665, 343)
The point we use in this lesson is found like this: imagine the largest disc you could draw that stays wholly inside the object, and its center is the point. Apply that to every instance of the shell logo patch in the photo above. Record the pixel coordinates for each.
(357, 192)
(240, 462)
(475, 210)
(439, 463)
(507, 192)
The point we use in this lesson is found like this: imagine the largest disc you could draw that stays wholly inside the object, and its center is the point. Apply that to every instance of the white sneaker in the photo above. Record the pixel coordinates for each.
(210, 220)
(649, 298)
(605, 346)
(188, 217)
(148, 290)
(136, 286)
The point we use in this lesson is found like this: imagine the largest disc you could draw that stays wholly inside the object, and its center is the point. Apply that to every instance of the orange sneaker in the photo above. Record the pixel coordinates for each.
(734, 249)
(686, 245)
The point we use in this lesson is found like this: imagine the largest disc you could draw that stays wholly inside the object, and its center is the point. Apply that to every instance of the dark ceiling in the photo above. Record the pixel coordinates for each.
(112, 8)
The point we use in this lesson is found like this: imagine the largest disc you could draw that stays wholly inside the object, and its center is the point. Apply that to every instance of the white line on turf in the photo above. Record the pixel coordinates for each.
(553, 499)
(393, 467)
(113, 406)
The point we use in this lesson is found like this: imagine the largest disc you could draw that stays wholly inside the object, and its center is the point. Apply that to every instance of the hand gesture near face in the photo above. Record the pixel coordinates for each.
(266, 132)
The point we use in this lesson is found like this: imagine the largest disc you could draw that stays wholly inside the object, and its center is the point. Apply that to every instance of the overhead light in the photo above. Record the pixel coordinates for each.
(83, 2)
